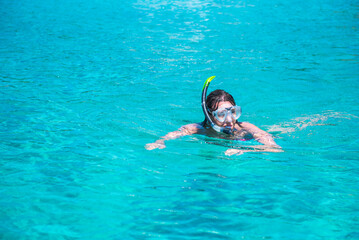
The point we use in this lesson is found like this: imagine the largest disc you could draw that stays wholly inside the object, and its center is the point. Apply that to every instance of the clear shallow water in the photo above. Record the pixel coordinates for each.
(86, 84)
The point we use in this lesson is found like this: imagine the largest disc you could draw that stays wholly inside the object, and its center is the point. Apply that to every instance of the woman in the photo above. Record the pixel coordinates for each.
(221, 121)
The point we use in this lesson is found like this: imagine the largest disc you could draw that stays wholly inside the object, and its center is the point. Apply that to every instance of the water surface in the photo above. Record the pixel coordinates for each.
(86, 84)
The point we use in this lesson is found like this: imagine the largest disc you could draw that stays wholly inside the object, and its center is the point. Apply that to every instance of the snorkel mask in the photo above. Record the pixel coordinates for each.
(219, 114)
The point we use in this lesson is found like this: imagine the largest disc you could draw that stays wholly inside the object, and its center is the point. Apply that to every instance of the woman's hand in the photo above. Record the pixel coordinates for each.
(232, 151)
(160, 144)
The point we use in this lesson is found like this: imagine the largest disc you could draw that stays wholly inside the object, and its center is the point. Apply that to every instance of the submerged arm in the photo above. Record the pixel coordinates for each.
(257, 148)
(188, 129)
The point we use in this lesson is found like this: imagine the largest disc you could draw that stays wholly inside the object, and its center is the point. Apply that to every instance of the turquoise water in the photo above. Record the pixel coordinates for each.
(86, 84)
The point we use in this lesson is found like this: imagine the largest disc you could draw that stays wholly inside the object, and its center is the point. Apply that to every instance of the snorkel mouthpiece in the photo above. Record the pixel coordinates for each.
(227, 130)
(205, 109)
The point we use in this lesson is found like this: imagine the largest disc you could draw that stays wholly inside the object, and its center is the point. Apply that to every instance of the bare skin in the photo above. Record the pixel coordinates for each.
(244, 130)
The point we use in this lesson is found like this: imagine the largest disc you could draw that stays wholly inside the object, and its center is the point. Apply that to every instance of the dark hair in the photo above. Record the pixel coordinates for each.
(217, 96)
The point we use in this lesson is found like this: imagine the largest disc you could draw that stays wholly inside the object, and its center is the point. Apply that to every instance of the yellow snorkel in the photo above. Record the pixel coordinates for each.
(205, 109)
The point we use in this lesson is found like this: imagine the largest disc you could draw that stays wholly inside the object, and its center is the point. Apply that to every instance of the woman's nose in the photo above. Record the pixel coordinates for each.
(229, 117)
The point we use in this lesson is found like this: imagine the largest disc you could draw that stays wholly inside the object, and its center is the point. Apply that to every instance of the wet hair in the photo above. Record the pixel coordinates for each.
(217, 96)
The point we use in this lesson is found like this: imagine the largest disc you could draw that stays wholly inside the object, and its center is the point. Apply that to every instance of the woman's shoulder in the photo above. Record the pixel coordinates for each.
(251, 128)
(246, 125)
(192, 127)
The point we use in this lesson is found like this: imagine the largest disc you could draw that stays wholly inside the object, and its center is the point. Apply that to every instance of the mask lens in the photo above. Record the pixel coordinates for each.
(221, 115)
(236, 112)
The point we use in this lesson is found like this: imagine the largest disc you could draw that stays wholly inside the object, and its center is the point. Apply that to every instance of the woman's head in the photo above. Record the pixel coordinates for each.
(217, 96)
(224, 101)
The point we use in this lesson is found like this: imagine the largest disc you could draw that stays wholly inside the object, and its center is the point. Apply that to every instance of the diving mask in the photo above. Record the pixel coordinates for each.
(221, 114)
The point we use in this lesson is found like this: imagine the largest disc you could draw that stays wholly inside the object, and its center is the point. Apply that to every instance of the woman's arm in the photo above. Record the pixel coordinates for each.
(188, 129)
(259, 135)
(269, 145)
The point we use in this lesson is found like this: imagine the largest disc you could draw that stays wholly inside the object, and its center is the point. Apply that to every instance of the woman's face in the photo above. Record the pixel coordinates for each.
(229, 121)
